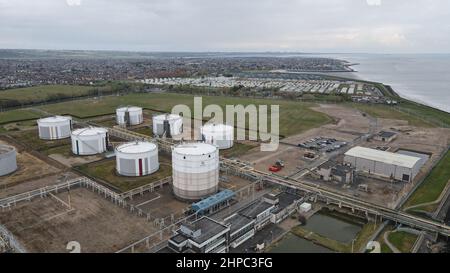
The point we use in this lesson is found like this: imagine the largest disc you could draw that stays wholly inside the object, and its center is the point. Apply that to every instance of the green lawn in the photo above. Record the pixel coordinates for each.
(43, 92)
(387, 112)
(30, 138)
(403, 241)
(432, 187)
(238, 149)
(16, 115)
(295, 117)
(106, 171)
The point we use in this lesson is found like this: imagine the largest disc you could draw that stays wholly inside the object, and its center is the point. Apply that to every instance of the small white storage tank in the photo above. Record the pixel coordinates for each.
(137, 159)
(57, 127)
(170, 124)
(8, 160)
(220, 135)
(195, 170)
(129, 115)
(89, 141)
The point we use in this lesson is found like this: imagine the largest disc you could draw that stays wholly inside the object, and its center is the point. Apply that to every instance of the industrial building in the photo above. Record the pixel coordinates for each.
(220, 135)
(89, 141)
(8, 160)
(330, 171)
(137, 159)
(384, 164)
(129, 115)
(204, 235)
(52, 128)
(241, 229)
(385, 136)
(167, 125)
(195, 170)
(213, 203)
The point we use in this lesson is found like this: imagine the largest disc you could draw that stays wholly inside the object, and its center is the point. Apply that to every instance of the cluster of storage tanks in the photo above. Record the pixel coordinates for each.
(195, 166)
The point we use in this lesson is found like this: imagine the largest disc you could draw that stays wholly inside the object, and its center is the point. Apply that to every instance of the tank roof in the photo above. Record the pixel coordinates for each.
(136, 147)
(55, 119)
(195, 149)
(167, 117)
(6, 149)
(212, 127)
(129, 108)
(90, 131)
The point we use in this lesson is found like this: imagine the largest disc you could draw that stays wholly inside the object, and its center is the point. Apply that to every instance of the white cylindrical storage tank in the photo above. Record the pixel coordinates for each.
(129, 115)
(57, 127)
(220, 135)
(137, 159)
(89, 141)
(195, 170)
(8, 160)
(170, 124)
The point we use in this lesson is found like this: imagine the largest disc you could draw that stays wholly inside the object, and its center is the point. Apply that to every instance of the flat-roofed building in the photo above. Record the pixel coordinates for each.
(204, 235)
(384, 164)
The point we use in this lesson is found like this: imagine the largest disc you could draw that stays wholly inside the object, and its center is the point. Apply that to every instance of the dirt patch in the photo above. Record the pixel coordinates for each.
(44, 225)
(29, 167)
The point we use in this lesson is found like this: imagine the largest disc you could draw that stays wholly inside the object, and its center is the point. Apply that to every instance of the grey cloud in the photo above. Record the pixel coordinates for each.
(228, 25)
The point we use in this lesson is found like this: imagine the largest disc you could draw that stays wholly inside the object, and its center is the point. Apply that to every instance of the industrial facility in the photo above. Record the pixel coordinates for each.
(220, 135)
(167, 125)
(384, 164)
(130, 115)
(57, 127)
(89, 141)
(195, 170)
(137, 159)
(8, 160)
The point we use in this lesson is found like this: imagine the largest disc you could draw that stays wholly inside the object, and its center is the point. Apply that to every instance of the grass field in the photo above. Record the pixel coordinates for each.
(238, 149)
(432, 187)
(295, 117)
(43, 92)
(106, 171)
(30, 139)
(387, 112)
(16, 115)
(403, 241)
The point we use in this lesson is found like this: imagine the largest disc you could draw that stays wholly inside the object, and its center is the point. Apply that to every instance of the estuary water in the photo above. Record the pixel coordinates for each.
(424, 78)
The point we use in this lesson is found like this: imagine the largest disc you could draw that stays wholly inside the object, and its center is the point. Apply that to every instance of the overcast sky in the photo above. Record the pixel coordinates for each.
(377, 26)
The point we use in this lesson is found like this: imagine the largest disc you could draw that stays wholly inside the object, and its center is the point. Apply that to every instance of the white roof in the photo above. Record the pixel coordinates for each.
(195, 149)
(136, 147)
(129, 109)
(212, 128)
(90, 131)
(166, 117)
(55, 119)
(385, 157)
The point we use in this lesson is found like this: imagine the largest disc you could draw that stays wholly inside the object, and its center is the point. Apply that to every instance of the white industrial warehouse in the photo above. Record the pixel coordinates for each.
(195, 170)
(167, 125)
(385, 164)
(57, 127)
(89, 141)
(137, 159)
(8, 160)
(130, 115)
(220, 135)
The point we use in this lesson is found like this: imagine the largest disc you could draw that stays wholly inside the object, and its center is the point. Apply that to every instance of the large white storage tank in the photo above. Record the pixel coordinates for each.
(57, 127)
(8, 160)
(168, 124)
(137, 159)
(220, 135)
(130, 115)
(89, 141)
(195, 170)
